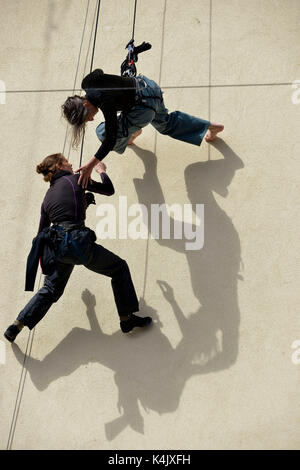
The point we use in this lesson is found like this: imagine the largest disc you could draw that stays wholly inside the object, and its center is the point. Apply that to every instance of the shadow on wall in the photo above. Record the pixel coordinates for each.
(215, 268)
(147, 368)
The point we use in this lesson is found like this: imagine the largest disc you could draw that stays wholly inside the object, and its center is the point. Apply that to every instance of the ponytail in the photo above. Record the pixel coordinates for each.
(76, 115)
(48, 166)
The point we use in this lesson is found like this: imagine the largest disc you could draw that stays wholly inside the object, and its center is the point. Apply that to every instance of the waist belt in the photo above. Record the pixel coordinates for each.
(69, 225)
(138, 82)
(141, 100)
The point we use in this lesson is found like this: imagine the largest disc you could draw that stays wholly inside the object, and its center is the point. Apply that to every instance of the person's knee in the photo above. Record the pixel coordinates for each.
(162, 130)
(162, 127)
(57, 295)
(123, 265)
(122, 269)
(52, 293)
(100, 131)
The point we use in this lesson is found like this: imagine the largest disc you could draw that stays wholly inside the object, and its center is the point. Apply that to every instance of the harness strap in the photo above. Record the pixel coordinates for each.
(76, 248)
(124, 120)
(141, 100)
(64, 243)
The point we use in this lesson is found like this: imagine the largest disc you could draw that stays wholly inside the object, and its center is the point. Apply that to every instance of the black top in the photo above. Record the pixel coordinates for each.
(110, 102)
(65, 200)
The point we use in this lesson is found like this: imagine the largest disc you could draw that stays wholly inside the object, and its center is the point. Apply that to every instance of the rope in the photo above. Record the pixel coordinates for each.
(91, 67)
(78, 61)
(85, 63)
(89, 45)
(31, 333)
(209, 69)
(134, 15)
(95, 36)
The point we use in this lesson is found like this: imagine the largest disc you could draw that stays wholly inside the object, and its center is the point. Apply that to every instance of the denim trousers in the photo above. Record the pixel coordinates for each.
(94, 257)
(177, 124)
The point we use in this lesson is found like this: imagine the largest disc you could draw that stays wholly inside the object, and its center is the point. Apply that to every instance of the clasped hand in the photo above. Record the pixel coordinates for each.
(86, 170)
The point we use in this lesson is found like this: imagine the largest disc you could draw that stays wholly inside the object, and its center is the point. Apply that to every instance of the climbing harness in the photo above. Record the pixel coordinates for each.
(128, 68)
(140, 100)
(65, 242)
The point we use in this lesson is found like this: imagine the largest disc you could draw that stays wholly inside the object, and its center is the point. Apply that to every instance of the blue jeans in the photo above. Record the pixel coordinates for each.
(178, 125)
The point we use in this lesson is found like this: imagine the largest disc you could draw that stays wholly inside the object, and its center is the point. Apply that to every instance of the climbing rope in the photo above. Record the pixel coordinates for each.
(91, 68)
(29, 343)
(127, 69)
(76, 73)
(134, 15)
(95, 36)
(85, 65)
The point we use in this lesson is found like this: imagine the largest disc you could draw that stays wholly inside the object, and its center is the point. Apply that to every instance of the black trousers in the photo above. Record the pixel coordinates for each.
(81, 249)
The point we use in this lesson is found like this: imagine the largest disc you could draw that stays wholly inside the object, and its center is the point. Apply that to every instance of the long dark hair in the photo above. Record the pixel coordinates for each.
(76, 114)
(48, 166)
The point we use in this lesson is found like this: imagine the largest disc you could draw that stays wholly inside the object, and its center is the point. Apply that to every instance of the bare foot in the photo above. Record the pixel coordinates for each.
(213, 130)
(134, 136)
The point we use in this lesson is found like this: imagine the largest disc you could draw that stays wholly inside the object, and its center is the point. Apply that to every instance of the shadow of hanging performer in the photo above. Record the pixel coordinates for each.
(215, 268)
(141, 103)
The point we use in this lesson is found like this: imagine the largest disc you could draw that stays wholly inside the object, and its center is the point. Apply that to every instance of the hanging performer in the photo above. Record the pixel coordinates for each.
(68, 242)
(140, 101)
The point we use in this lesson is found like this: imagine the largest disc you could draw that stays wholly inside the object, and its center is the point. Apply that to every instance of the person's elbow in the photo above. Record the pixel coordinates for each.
(111, 191)
(110, 141)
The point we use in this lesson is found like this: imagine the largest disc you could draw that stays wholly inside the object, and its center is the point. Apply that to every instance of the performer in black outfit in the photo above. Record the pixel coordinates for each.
(140, 101)
(73, 243)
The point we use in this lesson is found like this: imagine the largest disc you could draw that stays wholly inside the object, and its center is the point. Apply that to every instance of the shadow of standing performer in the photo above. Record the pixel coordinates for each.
(145, 366)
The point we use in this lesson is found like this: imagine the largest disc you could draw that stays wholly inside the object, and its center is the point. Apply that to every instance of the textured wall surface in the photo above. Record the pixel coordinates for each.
(217, 369)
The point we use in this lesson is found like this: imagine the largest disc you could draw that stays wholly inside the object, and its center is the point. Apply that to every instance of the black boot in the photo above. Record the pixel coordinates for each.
(11, 333)
(134, 320)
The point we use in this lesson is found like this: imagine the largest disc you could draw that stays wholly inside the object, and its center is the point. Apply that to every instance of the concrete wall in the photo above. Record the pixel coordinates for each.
(217, 368)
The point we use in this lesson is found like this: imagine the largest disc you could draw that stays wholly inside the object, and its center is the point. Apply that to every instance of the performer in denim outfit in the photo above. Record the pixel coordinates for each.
(140, 102)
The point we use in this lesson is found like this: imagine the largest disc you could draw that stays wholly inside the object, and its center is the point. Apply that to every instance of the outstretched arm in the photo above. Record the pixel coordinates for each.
(169, 296)
(111, 129)
(105, 187)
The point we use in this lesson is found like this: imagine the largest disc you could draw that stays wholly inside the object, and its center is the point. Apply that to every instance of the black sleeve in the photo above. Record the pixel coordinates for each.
(44, 220)
(106, 187)
(109, 110)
